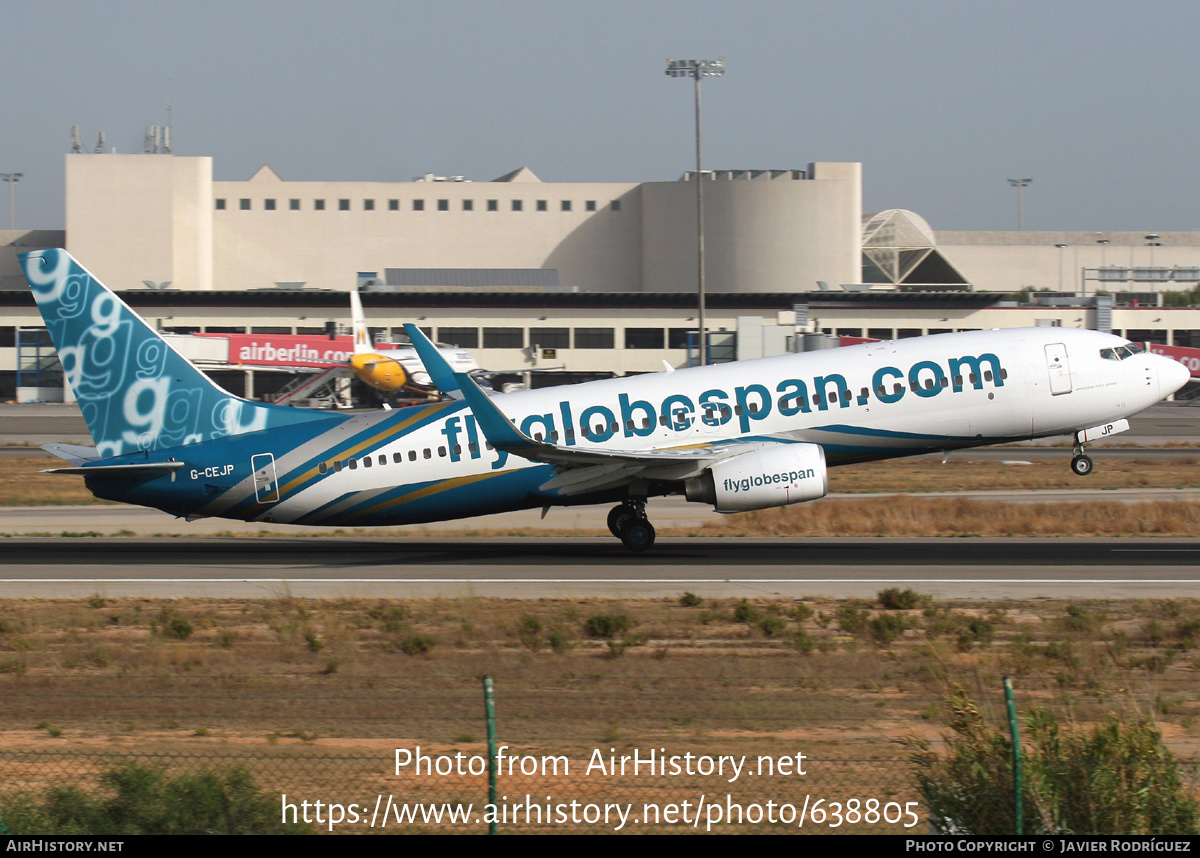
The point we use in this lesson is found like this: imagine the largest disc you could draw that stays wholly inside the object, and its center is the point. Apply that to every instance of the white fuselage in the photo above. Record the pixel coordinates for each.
(871, 401)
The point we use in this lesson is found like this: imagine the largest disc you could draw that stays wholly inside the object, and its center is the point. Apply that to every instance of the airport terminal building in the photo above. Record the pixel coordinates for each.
(602, 276)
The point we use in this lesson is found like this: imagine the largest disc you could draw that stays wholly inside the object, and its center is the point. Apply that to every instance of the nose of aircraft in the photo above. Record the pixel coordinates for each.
(1172, 375)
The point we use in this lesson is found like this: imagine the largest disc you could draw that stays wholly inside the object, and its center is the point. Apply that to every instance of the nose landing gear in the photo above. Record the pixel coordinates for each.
(1080, 463)
(628, 523)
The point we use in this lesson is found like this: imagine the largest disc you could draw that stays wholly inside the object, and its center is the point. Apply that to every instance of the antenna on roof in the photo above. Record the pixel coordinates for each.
(75, 145)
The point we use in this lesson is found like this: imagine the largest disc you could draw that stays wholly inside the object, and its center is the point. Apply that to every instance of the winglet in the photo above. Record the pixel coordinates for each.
(497, 428)
(439, 370)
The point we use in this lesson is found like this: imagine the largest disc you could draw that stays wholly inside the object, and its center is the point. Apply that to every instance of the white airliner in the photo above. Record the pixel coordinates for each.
(398, 369)
(738, 436)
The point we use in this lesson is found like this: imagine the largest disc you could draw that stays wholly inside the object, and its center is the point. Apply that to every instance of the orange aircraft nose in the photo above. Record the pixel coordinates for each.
(379, 372)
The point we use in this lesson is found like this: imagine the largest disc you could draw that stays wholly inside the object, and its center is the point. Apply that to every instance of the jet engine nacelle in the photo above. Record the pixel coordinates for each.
(773, 476)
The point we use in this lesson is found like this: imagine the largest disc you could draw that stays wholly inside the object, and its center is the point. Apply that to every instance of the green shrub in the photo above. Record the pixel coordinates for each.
(690, 600)
(1116, 778)
(885, 628)
(803, 642)
(607, 625)
(746, 613)
(771, 626)
(139, 799)
(416, 644)
(894, 599)
(172, 626)
(851, 617)
(559, 642)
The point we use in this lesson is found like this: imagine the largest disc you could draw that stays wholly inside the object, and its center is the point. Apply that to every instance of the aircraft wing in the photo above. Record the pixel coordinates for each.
(578, 469)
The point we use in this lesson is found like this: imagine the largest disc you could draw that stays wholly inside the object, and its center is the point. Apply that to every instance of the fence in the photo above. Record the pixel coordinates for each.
(575, 754)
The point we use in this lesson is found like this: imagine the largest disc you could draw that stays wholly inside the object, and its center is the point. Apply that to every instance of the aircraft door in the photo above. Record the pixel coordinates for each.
(1059, 368)
(266, 489)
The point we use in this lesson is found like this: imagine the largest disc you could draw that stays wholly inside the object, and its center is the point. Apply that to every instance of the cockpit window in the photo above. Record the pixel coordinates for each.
(1121, 352)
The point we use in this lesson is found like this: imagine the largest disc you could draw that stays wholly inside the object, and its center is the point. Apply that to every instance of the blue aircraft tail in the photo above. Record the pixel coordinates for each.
(135, 391)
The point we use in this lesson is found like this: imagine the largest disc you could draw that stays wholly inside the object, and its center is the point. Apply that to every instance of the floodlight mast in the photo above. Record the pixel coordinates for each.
(1020, 185)
(696, 69)
(12, 179)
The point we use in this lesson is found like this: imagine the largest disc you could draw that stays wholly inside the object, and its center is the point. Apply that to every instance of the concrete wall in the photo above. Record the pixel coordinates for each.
(255, 248)
(132, 218)
(1010, 261)
(761, 235)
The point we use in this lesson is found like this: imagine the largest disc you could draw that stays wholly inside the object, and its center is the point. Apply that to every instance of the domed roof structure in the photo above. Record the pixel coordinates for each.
(899, 248)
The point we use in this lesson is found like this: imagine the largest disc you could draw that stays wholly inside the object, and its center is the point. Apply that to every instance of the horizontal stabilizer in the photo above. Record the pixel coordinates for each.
(145, 469)
(73, 453)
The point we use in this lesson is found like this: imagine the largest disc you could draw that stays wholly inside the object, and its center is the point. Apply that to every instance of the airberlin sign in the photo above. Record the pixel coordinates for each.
(1188, 357)
(290, 349)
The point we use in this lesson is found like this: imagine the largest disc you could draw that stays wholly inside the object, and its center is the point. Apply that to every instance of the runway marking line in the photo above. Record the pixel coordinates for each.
(598, 580)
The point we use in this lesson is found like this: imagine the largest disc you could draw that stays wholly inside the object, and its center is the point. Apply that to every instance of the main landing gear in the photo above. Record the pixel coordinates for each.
(628, 523)
(1080, 463)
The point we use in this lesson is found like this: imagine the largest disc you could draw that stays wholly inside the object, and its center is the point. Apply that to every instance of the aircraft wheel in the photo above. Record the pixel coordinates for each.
(1082, 465)
(638, 535)
(619, 518)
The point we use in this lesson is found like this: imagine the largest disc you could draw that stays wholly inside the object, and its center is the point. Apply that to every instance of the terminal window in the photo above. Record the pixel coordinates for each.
(590, 206)
(468, 205)
(644, 338)
(594, 338)
(517, 205)
(220, 205)
(550, 338)
(493, 205)
(269, 205)
(504, 338)
(294, 205)
(679, 338)
(443, 205)
(244, 205)
(319, 205)
(368, 205)
(566, 205)
(615, 205)
(393, 205)
(542, 206)
(343, 205)
(464, 338)
(418, 205)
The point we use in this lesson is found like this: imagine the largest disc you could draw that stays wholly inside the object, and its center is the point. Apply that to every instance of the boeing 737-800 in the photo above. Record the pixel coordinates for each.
(739, 436)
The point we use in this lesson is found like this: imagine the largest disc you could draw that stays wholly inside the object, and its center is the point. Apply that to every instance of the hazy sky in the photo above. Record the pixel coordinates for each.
(1095, 101)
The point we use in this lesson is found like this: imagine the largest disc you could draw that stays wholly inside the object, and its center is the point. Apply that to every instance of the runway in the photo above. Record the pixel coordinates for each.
(544, 567)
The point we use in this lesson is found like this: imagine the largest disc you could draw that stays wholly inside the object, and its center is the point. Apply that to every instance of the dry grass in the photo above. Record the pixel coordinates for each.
(905, 516)
(925, 475)
(21, 484)
(314, 696)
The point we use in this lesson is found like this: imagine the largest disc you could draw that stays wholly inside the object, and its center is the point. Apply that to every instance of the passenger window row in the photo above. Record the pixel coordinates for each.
(397, 458)
(710, 412)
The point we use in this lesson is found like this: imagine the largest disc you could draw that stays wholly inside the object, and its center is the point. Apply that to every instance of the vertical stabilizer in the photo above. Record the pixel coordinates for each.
(362, 337)
(135, 391)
